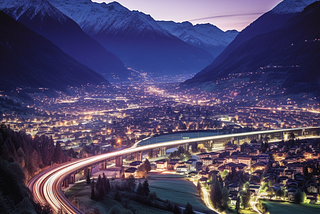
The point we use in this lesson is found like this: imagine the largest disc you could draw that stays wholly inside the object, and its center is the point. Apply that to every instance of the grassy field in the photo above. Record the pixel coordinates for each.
(176, 189)
(172, 187)
(290, 208)
(79, 194)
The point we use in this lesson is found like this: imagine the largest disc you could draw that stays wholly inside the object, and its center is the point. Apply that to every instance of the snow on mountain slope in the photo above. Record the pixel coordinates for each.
(94, 18)
(46, 20)
(206, 36)
(135, 37)
(291, 6)
(38, 7)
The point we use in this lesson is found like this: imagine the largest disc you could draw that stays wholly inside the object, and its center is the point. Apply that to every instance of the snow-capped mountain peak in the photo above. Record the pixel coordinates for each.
(206, 36)
(32, 8)
(291, 6)
(95, 17)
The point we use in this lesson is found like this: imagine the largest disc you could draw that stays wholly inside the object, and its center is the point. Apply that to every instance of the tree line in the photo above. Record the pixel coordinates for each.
(18, 161)
(31, 152)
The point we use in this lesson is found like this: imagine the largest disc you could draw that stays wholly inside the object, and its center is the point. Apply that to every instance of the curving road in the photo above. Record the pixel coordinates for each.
(46, 186)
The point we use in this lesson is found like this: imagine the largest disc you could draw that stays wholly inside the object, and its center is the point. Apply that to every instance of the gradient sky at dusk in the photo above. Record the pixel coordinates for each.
(225, 14)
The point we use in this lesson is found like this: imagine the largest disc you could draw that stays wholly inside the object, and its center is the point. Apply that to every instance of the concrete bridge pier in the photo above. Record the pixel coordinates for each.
(72, 178)
(65, 183)
(102, 165)
(119, 161)
(186, 147)
(162, 151)
(86, 170)
(150, 153)
(139, 156)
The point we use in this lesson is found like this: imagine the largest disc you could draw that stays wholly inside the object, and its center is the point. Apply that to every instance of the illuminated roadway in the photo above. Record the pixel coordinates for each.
(46, 186)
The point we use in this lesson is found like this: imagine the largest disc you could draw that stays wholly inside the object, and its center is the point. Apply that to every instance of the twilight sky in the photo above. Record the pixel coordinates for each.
(225, 14)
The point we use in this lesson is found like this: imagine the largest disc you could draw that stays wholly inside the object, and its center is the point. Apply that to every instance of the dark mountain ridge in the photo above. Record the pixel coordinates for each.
(290, 54)
(264, 24)
(46, 20)
(30, 60)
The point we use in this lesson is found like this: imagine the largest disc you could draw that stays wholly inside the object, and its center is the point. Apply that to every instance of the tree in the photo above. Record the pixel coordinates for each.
(279, 193)
(71, 153)
(153, 195)
(32, 162)
(105, 184)
(131, 182)
(140, 189)
(176, 209)
(58, 153)
(188, 209)
(245, 195)
(199, 187)
(225, 198)
(21, 157)
(299, 196)
(93, 195)
(146, 189)
(100, 188)
(169, 206)
(238, 204)
(147, 165)
(216, 193)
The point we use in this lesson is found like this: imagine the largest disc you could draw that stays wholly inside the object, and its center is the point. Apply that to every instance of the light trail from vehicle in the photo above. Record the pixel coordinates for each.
(46, 186)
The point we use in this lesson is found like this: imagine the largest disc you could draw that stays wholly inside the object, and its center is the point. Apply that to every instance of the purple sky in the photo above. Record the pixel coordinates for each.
(197, 11)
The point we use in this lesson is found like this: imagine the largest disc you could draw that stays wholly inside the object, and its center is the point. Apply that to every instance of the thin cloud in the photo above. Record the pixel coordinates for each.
(225, 16)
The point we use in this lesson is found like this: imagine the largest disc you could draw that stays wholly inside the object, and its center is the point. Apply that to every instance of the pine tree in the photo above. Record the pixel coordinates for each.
(100, 188)
(58, 153)
(169, 206)
(216, 193)
(131, 182)
(140, 189)
(188, 209)
(225, 197)
(246, 195)
(146, 189)
(176, 209)
(93, 196)
(106, 184)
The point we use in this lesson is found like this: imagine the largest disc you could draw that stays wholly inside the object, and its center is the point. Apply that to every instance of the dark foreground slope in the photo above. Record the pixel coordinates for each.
(290, 55)
(29, 60)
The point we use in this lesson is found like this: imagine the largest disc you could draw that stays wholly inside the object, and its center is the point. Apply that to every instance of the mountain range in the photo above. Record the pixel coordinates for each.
(46, 20)
(28, 60)
(205, 36)
(108, 38)
(268, 22)
(135, 37)
(287, 51)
